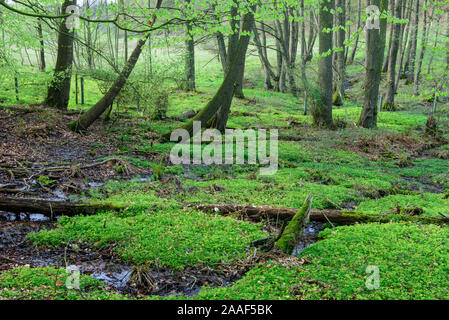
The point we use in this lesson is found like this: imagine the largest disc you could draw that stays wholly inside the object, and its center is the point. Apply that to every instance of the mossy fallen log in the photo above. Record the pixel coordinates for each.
(342, 217)
(57, 208)
(294, 229)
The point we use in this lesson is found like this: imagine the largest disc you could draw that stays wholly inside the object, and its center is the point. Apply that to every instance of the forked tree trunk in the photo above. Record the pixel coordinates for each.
(58, 94)
(210, 116)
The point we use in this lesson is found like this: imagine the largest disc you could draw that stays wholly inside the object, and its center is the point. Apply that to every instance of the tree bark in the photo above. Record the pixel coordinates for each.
(289, 237)
(409, 68)
(375, 50)
(259, 213)
(421, 55)
(86, 119)
(215, 114)
(42, 64)
(189, 71)
(354, 51)
(341, 35)
(53, 209)
(322, 111)
(58, 94)
(389, 100)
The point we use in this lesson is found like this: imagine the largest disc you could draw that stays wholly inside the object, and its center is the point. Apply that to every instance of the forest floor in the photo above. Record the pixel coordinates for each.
(161, 248)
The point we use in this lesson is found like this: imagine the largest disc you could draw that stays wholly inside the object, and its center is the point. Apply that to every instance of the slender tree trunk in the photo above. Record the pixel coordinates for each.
(435, 44)
(341, 34)
(189, 58)
(42, 64)
(58, 94)
(409, 68)
(402, 45)
(233, 42)
(389, 100)
(375, 51)
(322, 111)
(86, 119)
(390, 41)
(354, 51)
(221, 50)
(421, 55)
(269, 74)
(447, 39)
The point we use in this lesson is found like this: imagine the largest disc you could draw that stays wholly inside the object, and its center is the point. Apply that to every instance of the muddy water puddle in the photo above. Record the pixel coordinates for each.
(309, 236)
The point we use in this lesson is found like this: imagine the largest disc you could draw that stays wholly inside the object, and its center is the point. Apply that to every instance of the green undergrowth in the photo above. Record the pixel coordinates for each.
(431, 204)
(159, 234)
(49, 283)
(412, 261)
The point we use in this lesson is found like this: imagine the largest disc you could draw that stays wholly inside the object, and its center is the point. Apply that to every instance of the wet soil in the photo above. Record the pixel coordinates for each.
(104, 264)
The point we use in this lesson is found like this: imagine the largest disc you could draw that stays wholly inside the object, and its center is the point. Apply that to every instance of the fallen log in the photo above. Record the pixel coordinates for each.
(342, 217)
(289, 237)
(53, 209)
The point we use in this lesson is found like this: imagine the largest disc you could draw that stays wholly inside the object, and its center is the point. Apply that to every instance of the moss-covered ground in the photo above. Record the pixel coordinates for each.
(380, 171)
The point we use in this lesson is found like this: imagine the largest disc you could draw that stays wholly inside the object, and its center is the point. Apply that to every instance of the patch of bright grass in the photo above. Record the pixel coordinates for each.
(412, 261)
(171, 237)
(50, 284)
(431, 204)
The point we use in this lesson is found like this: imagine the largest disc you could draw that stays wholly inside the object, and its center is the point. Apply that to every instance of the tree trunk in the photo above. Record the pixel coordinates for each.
(53, 209)
(211, 115)
(354, 51)
(322, 110)
(387, 58)
(233, 42)
(421, 55)
(375, 51)
(269, 74)
(58, 94)
(259, 213)
(86, 119)
(189, 71)
(289, 237)
(42, 64)
(409, 68)
(389, 100)
(341, 34)
(222, 50)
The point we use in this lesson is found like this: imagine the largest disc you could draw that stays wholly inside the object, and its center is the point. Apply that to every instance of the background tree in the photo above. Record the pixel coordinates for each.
(59, 89)
(322, 111)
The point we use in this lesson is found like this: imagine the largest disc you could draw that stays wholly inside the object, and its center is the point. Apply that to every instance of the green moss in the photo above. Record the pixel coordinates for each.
(50, 284)
(431, 203)
(158, 233)
(290, 236)
(412, 261)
